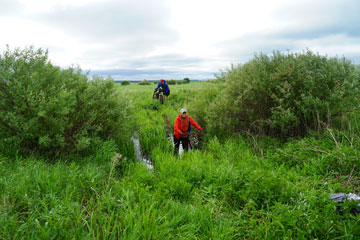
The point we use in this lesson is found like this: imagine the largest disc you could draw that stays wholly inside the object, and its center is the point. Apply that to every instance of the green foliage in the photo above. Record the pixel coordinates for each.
(154, 136)
(45, 201)
(171, 82)
(237, 188)
(242, 187)
(179, 82)
(125, 83)
(144, 82)
(285, 95)
(198, 106)
(46, 109)
(221, 193)
(154, 105)
(335, 153)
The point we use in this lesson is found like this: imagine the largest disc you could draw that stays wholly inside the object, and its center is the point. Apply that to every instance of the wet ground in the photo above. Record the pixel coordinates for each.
(140, 156)
(147, 162)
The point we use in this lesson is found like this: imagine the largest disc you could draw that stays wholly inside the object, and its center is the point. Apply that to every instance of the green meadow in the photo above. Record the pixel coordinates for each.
(261, 173)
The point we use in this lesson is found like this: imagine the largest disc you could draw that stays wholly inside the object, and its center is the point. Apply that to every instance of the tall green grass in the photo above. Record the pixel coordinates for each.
(211, 194)
(235, 188)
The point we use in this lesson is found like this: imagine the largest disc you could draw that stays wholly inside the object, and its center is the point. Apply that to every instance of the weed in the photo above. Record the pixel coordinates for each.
(236, 187)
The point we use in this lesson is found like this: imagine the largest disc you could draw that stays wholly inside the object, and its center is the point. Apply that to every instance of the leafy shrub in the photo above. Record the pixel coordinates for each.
(198, 105)
(285, 95)
(186, 80)
(171, 82)
(47, 109)
(180, 82)
(125, 83)
(144, 82)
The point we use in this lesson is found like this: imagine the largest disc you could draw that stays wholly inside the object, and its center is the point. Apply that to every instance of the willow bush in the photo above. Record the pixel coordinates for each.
(125, 83)
(171, 82)
(285, 94)
(144, 82)
(45, 108)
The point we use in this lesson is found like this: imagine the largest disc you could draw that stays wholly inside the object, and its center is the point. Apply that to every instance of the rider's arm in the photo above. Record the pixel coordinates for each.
(158, 86)
(177, 127)
(192, 122)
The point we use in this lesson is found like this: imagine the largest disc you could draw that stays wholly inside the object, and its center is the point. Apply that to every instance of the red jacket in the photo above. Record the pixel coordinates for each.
(183, 125)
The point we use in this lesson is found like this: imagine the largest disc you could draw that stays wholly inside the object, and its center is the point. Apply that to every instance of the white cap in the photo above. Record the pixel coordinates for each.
(183, 110)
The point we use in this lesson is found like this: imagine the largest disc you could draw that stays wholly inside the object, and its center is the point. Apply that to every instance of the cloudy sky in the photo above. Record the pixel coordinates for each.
(152, 39)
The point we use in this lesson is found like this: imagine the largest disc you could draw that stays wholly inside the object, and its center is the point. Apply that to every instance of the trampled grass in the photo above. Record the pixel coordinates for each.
(228, 190)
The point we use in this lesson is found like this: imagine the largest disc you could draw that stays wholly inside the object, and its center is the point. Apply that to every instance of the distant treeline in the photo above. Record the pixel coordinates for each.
(137, 81)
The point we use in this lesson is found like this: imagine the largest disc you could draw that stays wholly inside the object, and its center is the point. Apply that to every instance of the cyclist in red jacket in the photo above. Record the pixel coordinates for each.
(182, 130)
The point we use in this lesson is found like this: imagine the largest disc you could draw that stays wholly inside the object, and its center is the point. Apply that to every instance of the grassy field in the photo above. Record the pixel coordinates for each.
(234, 188)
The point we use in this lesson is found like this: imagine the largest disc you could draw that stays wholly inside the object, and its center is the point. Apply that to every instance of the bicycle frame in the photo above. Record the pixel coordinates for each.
(194, 140)
(159, 94)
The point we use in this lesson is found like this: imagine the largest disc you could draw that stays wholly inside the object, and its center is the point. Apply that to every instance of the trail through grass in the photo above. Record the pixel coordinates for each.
(226, 191)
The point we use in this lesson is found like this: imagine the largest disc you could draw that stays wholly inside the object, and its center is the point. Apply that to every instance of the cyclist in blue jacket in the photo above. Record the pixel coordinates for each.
(165, 88)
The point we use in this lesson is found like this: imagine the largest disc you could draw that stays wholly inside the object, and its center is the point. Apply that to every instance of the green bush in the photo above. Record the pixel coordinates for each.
(171, 82)
(186, 80)
(144, 82)
(285, 95)
(125, 83)
(180, 82)
(198, 104)
(47, 109)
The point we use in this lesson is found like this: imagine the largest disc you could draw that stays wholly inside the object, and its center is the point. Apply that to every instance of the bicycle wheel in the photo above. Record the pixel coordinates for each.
(161, 99)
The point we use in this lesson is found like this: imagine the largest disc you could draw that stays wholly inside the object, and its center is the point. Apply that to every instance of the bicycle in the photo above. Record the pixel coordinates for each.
(159, 94)
(195, 140)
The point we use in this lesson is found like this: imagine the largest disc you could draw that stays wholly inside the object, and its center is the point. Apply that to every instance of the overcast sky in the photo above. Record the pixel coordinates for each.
(152, 39)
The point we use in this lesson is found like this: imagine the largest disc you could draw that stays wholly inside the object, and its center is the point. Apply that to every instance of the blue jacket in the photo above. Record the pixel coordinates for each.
(164, 86)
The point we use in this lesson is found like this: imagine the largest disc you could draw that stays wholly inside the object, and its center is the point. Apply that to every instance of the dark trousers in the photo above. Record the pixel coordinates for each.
(184, 142)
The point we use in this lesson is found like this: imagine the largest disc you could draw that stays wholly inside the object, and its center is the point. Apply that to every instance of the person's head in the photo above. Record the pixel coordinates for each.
(162, 81)
(183, 112)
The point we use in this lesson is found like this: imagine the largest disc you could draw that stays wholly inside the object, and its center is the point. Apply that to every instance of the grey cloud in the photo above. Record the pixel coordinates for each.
(9, 7)
(169, 60)
(153, 74)
(120, 60)
(244, 48)
(121, 33)
(115, 22)
(177, 63)
(306, 24)
(314, 20)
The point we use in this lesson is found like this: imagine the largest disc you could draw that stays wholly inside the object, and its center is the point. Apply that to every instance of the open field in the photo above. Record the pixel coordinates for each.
(280, 135)
(229, 190)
